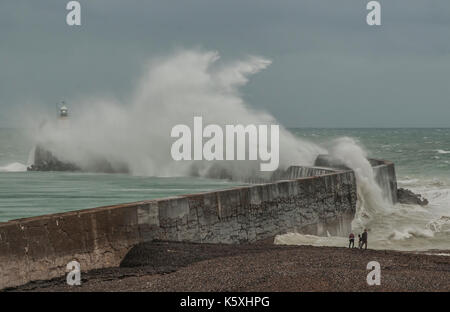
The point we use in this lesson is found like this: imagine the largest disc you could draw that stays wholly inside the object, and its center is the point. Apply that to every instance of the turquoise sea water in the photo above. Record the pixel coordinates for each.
(421, 156)
(25, 194)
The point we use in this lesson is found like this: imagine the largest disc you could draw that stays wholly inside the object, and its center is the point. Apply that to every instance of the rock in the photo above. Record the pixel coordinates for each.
(405, 196)
(44, 160)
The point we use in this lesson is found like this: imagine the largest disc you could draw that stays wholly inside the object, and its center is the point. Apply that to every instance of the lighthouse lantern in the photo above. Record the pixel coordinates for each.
(63, 112)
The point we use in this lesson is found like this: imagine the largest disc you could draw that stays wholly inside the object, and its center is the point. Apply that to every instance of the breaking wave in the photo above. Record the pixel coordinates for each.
(135, 136)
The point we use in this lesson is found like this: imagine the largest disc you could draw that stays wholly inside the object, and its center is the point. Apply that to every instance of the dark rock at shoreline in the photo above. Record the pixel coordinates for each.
(406, 196)
(44, 160)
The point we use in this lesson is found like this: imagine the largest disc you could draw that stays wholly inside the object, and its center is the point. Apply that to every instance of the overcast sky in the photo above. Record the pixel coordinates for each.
(330, 69)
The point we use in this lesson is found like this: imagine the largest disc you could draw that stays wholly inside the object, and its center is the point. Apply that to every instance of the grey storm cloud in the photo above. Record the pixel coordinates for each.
(329, 68)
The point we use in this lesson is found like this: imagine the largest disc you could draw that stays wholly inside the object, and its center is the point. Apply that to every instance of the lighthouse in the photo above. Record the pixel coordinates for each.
(63, 116)
(63, 111)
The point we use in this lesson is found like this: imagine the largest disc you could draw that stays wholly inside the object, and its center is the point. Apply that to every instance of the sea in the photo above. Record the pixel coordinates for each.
(421, 157)
(26, 193)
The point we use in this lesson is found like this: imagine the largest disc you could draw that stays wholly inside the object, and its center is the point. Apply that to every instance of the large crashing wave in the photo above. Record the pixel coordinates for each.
(135, 136)
(371, 201)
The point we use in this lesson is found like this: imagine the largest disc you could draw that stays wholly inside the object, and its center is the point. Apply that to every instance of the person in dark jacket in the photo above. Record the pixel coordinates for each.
(364, 239)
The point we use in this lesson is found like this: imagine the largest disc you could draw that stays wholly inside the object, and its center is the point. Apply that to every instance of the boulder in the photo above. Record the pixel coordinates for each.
(405, 196)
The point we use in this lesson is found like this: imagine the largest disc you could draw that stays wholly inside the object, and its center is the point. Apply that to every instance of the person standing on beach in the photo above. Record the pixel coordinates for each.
(351, 240)
(364, 239)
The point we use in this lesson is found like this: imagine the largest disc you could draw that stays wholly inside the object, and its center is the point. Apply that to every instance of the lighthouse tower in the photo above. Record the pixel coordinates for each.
(63, 111)
(63, 116)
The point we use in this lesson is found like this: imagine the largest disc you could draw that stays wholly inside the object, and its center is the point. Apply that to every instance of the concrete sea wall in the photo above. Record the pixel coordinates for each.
(40, 247)
(385, 176)
(384, 173)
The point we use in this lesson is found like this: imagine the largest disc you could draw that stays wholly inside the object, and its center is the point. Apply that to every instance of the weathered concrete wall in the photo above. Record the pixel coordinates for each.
(386, 178)
(40, 247)
(384, 173)
(312, 205)
(295, 172)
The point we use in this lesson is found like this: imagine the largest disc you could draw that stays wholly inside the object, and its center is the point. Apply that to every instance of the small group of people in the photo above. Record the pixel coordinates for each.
(362, 240)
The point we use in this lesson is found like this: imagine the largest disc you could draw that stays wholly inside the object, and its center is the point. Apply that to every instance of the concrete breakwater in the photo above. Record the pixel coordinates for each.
(312, 200)
(386, 178)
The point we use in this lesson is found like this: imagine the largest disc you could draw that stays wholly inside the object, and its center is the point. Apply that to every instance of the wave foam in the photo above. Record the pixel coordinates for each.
(410, 232)
(439, 225)
(136, 135)
(14, 167)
